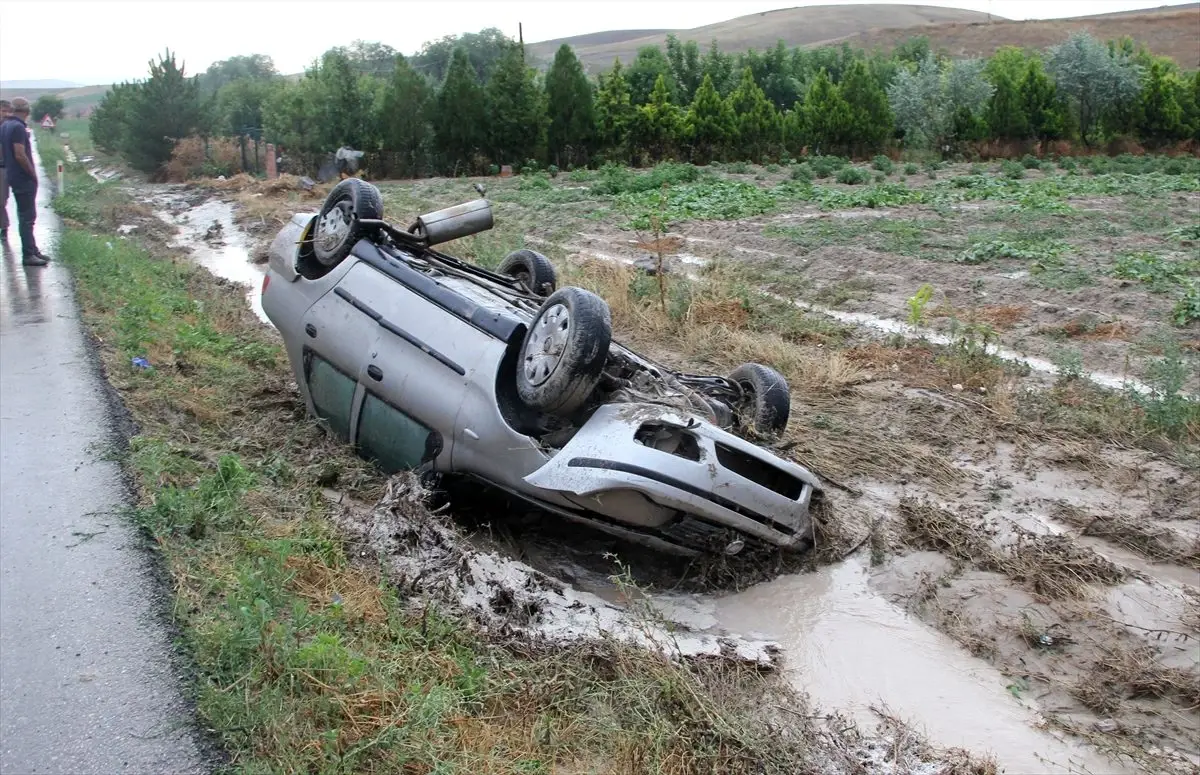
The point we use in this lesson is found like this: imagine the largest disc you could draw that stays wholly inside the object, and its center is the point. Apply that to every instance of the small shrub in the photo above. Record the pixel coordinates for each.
(825, 166)
(883, 164)
(976, 169)
(738, 168)
(772, 168)
(1068, 164)
(1012, 170)
(853, 176)
(1159, 273)
(493, 169)
(1174, 167)
(880, 177)
(931, 173)
(553, 170)
(802, 172)
(1069, 362)
(1187, 309)
(911, 169)
(1046, 167)
(1030, 162)
(916, 304)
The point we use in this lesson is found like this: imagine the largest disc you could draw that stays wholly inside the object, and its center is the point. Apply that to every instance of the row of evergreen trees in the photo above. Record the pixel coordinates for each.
(462, 105)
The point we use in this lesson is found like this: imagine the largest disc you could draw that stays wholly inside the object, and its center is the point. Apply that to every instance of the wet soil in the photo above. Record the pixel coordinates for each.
(1037, 598)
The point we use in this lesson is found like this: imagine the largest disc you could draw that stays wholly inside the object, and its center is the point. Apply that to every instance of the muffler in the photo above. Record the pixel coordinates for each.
(454, 222)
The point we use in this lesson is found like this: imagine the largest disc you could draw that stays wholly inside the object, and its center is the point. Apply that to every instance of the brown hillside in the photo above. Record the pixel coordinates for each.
(1168, 32)
(795, 26)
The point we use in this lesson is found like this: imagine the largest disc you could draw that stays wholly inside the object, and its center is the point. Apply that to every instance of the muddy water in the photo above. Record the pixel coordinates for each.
(226, 254)
(850, 649)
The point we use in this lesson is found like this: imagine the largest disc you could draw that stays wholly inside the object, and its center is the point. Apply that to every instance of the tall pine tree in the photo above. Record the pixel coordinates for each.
(709, 124)
(572, 131)
(1044, 108)
(460, 116)
(658, 124)
(871, 122)
(163, 109)
(759, 132)
(826, 116)
(1160, 116)
(516, 110)
(614, 113)
(405, 117)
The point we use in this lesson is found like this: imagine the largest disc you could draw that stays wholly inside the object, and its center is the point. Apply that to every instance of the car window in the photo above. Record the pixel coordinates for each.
(332, 393)
(391, 438)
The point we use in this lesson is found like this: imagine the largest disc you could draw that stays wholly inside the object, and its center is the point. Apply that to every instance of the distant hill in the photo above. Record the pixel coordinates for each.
(42, 84)
(1171, 31)
(795, 26)
(76, 99)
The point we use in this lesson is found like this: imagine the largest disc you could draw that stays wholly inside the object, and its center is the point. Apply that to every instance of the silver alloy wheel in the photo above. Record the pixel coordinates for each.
(547, 343)
(333, 226)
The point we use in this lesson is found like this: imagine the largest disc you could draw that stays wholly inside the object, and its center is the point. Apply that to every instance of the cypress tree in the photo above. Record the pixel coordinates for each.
(614, 112)
(516, 110)
(709, 124)
(572, 130)
(758, 129)
(460, 116)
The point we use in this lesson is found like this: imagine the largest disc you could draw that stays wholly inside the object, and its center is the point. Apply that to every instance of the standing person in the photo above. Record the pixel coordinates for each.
(5, 112)
(16, 146)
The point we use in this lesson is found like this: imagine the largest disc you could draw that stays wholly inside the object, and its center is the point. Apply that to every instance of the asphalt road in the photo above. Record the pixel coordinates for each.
(87, 680)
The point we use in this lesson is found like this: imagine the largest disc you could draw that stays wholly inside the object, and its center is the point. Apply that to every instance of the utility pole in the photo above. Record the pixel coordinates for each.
(521, 38)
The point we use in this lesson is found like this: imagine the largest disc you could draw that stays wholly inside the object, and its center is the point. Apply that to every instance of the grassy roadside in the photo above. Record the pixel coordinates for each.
(306, 661)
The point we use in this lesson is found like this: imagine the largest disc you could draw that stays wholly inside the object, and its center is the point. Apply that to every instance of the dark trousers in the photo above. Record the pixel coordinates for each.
(26, 214)
(3, 200)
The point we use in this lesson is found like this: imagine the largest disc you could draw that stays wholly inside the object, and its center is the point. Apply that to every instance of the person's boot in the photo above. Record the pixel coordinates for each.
(4, 234)
(35, 259)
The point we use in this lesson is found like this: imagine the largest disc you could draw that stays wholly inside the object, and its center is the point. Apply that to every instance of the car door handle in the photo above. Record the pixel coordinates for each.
(375, 373)
(311, 330)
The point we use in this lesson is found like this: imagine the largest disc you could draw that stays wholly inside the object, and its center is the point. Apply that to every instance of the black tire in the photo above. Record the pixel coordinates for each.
(531, 268)
(564, 351)
(355, 200)
(767, 403)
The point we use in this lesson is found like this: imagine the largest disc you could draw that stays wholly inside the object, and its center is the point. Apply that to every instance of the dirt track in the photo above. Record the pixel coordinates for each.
(1002, 558)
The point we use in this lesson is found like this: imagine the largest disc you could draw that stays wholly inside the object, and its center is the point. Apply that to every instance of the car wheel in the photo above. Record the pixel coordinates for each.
(531, 268)
(564, 351)
(767, 402)
(337, 228)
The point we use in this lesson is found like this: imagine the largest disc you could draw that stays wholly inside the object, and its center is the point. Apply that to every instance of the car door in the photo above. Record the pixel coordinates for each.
(419, 360)
(337, 341)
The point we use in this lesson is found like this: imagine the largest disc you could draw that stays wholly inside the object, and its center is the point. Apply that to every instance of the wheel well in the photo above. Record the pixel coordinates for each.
(515, 412)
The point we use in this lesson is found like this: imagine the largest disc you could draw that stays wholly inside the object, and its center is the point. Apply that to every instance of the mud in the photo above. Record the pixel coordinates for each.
(205, 227)
(1054, 625)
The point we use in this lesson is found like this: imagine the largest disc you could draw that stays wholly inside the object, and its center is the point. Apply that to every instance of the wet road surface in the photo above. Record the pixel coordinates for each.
(87, 682)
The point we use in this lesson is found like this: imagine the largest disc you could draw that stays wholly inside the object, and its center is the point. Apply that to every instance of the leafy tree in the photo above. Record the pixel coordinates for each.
(1160, 115)
(404, 117)
(657, 125)
(1092, 79)
(346, 101)
(165, 108)
(649, 65)
(1005, 112)
(516, 110)
(240, 103)
(47, 104)
(460, 117)
(572, 130)
(913, 51)
(109, 122)
(1043, 107)
(1190, 99)
(758, 128)
(614, 112)
(684, 60)
(825, 116)
(709, 125)
(719, 67)
(934, 105)
(368, 58)
(257, 67)
(292, 117)
(871, 120)
(483, 50)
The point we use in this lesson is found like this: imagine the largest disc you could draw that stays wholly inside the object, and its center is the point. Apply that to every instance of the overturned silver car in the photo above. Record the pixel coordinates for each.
(423, 361)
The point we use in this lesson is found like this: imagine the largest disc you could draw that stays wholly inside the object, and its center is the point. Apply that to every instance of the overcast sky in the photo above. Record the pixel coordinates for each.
(97, 41)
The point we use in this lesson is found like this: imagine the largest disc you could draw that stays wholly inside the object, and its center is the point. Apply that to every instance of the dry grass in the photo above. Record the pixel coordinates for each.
(1050, 566)
(1054, 566)
(1152, 541)
(1124, 673)
(1000, 317)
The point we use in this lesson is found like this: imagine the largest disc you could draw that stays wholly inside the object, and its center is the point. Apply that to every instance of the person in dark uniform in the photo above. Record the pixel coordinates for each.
(5, 112)
(16, 147)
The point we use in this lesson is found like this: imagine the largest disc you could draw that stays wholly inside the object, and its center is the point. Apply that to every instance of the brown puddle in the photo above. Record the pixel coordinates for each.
(849, 648)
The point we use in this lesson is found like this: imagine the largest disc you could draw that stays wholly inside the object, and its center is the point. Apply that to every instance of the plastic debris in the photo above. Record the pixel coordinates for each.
(141, 362)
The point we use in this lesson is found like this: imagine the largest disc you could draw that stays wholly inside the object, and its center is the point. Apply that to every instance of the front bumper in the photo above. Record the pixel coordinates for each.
(722, 480)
